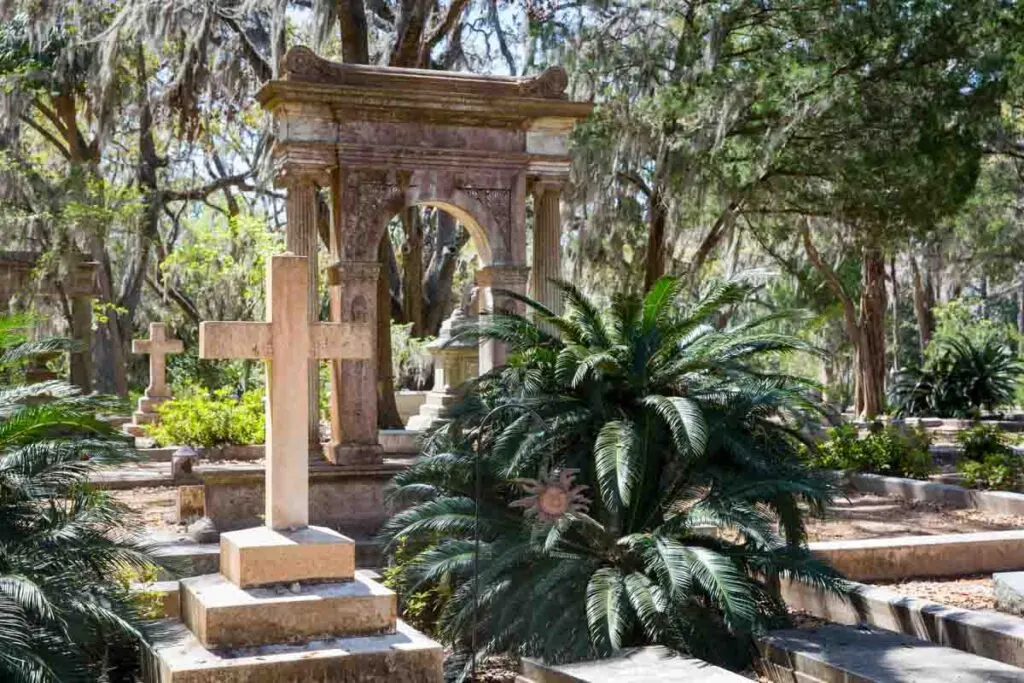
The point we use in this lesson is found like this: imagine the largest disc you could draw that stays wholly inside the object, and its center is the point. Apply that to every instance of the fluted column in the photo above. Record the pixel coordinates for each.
(490, 280)
(547, 244)
(301, 239)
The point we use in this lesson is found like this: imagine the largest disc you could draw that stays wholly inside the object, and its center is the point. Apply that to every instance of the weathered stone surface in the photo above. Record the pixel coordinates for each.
(878, 559)
(639, 665)
(287, 341)
(1009, 589)
(408, 404)
(221, 614)
(996, 636)
(261, 556)
(404, 656)
(844, 654)
(350, 499)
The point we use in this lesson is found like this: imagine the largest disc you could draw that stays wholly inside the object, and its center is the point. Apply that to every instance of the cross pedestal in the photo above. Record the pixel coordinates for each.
(158, 346)
(287, 582)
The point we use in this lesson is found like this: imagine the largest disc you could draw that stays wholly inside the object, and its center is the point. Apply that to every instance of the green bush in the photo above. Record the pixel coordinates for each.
(677, 460)
(204, 419)
(987, 460)
(960, 378)
(885, 450)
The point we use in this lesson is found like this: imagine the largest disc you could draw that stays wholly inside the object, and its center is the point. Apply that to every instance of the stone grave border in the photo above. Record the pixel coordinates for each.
(993, 635)
(901, 557)
(996, 502)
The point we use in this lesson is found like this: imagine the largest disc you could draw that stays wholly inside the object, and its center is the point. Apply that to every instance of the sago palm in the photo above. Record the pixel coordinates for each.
(688, 443)
(64, 548)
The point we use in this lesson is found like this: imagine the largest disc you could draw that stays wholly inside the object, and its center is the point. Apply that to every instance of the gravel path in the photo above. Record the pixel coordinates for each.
(969, 592)
(868, 516)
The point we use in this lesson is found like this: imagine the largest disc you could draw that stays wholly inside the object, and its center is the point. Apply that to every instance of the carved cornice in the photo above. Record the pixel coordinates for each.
(351, 92)
(303, 65)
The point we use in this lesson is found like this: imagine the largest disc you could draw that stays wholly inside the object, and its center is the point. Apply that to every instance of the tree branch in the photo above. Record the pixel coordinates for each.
(50, 137)
(834, 283)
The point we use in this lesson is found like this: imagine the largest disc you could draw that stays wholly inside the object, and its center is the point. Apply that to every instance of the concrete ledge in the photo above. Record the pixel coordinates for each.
(987, 634)
(1009, 590)
(638, 665)
(995, 502)
(893, 559)
(221, 614)
(187, 558)
(842, 654)
(402, 657)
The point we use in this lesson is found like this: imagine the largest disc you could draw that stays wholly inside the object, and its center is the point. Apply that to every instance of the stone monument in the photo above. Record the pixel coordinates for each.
(158, 346)
(455, 361)
(287, 604)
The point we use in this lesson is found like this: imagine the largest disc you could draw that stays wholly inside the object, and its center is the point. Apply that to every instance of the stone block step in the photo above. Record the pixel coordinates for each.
(846, 654)
(221, 614)
(404, 656)
(637, 665)
(893, 559)
(193, 559)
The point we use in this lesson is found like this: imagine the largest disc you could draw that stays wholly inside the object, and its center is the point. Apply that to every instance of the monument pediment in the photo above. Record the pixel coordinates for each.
(357, 92)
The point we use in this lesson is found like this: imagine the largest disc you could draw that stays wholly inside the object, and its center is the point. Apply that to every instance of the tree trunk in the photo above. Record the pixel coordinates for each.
(895, 315)
(387, 408)
(448, 240)
(412, 267)
(654, 261)
(871, 349)
(923, 301)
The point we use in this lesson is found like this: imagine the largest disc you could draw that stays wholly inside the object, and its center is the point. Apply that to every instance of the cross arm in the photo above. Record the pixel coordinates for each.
(346, 341)
(234, 340)
(140, 345)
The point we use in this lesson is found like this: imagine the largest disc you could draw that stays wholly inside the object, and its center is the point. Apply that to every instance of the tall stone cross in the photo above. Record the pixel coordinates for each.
(287, 341)
(158, 346)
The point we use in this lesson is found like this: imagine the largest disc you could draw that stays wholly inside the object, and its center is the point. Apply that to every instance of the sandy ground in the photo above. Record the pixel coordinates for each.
(157, 506)
(969, 592)
(867, 516)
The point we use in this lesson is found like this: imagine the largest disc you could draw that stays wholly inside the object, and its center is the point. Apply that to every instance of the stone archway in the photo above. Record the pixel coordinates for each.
(382, 139)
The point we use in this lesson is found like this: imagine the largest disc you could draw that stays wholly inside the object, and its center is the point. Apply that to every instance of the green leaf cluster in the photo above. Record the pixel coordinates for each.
(66, 613)
(689, 449)
(987, 461)
(206, 419)
(889, 450)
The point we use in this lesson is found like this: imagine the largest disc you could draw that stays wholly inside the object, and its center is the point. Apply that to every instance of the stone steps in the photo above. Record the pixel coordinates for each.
(403, 656)
(846, 654)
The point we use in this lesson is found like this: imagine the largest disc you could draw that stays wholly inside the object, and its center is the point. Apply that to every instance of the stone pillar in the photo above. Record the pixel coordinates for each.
(354, 382)
(489, 279)
(547, 244)
(301, 239)
(80, 362)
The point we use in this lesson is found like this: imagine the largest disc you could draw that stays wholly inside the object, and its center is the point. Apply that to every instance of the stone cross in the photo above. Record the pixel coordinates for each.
(287, 341)
(158, 346)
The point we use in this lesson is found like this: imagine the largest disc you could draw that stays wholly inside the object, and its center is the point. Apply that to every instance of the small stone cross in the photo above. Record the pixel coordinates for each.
(158, 346)
(287, 341)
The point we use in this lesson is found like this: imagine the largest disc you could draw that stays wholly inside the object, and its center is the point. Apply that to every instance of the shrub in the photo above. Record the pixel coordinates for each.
(204, 419)
(688, 455)
(987, 460)
(961, 378)
(64, 613)
(887, 450)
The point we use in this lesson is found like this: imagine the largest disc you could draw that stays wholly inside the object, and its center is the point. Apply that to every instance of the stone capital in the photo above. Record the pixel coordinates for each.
(512, 277)
(541, 185)
(293, 175)
(349, 271)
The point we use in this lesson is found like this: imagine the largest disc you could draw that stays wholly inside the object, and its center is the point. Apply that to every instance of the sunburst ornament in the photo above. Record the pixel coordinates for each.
(553, 495)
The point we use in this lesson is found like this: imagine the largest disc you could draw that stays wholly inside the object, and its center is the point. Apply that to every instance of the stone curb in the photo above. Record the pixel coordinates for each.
(987, 634)
(898, 558)
(995, 502)
(843, 654)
